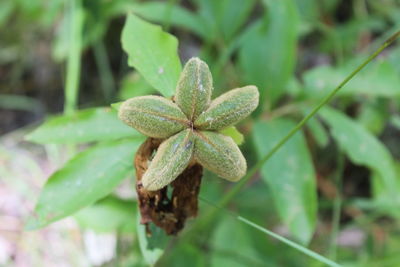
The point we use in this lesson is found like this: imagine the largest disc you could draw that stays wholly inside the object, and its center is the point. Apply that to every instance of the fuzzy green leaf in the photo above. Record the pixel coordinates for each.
(153, 53)
(171, 159)
(219, 154)
(153, 116)
(229, 108)
(88, 177)
(195, 86)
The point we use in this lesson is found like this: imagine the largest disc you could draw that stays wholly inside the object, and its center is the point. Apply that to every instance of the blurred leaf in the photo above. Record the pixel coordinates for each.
(95, 124)
(380, 79)
(395, 121)
(153, 53)
(20, 102)
(134, 85)
(373, 116)
(268, 55)
(182, 254)
(289, 175)
(231, 245)
(6, 9)
(232, 132)
(225, 17)
(177, 16)
(117, 105)
(88, 177)
(109, 215)
(318, 131)
(362, 148)
(152, 247)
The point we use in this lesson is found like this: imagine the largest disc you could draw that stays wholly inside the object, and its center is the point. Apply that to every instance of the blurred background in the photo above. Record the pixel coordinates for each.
(60, 56)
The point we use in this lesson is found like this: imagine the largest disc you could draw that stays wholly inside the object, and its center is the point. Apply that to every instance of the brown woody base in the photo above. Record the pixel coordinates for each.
(168, 213)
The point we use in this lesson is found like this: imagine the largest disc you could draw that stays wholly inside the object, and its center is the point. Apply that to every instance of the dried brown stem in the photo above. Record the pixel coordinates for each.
(167, 213)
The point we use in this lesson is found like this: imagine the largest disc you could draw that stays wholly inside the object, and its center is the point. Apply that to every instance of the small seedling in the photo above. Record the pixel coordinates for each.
(189, 125)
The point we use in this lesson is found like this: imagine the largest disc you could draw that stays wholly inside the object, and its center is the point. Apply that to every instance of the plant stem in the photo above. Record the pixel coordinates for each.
(74, 56)
(236, 189)
(105, 72)
(288, 242)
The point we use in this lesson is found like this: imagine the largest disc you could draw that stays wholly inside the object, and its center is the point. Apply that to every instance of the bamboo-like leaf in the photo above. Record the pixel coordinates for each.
(172, 157)
(229, 108)
(153, 116)
(219, 154)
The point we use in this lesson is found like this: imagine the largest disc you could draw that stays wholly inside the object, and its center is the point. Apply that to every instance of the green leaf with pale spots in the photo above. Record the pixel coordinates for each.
(153, 52)
(89, 125)
(290, 175)
(88, 177)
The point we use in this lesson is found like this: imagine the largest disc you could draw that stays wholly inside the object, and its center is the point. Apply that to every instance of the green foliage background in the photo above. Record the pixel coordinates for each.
(296, 52)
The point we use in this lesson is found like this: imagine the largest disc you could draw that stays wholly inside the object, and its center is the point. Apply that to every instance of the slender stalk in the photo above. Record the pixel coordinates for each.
(288, 242)
(74, 57)
(236, 189)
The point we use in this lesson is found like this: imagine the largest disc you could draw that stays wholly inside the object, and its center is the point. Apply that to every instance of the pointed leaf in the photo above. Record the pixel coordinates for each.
(268, 54)
(153, 116)
(88, 177)
(89, 125)
(290, 176)
(229, 108)
(153, 53)
(171, 159)
(195, 86)
(219, 154)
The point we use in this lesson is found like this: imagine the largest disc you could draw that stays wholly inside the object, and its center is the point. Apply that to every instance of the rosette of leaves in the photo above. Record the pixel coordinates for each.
(190, 125)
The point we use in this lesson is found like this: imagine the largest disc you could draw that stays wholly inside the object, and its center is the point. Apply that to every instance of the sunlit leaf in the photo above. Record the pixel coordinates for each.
(153, 52)
(88, 177)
